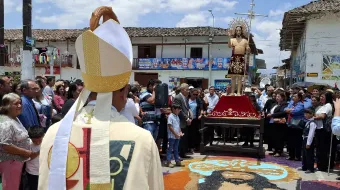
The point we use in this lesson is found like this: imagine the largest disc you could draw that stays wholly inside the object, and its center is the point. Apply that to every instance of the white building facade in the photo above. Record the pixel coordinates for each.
(165, 44)
(316, 51)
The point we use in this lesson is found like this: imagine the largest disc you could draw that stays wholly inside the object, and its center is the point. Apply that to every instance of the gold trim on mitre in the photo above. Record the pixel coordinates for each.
(104, 67)
(107, 83)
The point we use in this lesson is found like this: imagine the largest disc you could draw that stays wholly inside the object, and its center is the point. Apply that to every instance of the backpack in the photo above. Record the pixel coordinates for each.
(327, 124)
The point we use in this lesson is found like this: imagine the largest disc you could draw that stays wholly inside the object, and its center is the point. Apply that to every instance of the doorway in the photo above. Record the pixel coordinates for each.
(147, 51)
(143, 78)
(197, 82)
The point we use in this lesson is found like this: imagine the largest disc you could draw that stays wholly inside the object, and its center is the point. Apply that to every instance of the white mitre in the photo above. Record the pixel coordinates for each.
(105, 58)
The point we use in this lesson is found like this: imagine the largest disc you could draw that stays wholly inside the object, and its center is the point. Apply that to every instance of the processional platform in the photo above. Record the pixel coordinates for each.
(232, 112)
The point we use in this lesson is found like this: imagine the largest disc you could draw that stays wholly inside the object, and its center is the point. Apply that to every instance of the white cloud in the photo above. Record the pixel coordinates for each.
(280, 11)
(18, 8)
(128, 12)
(185, 6)
(277, 12)
(188, 5)
(193, 20)
(9, 5)
(267, 37)
(225, 4)
(227, 19)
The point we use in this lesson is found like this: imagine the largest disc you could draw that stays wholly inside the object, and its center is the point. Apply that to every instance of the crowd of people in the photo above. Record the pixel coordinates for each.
(301, 121)
(27, 110)
(294, 118)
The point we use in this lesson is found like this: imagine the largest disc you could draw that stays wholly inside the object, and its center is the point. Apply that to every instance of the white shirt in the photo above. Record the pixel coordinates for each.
(263, 99)
(32, 166)
(212, 100)
(49, 91)
(325, 109)
(130, 111)
(312, 127)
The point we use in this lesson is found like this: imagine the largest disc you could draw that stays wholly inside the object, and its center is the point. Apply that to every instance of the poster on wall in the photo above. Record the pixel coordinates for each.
(222, 84)
(174, 82)
(183, 63)
(331, 67)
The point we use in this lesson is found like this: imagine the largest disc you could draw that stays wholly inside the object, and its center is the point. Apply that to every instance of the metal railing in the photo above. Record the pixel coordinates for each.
(135, 63)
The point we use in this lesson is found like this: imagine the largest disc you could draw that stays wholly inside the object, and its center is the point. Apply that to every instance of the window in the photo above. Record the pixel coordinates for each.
(146, 51)
(3, 55)
(196, 53)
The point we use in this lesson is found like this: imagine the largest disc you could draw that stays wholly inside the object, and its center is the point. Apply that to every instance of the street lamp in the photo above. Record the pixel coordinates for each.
(211, 12)
(210, 42)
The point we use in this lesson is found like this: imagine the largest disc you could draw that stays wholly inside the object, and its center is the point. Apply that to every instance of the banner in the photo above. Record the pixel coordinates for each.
(183, 63)
(222, 84)
(331, 67)
(174, 82)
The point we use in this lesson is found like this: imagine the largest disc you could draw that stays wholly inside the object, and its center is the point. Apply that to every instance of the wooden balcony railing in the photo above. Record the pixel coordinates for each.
(14, 60)
(10, 60)
(62, 60)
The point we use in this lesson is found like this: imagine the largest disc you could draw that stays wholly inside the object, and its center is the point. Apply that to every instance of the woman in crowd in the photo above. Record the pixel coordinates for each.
(278, 123)
(295, 112)
(323, 135)
(72, 95)
(270, 103)
(16, 88)
(43, 104)
(315, 104)
(59, 97)
(196, 108)
(14, 142)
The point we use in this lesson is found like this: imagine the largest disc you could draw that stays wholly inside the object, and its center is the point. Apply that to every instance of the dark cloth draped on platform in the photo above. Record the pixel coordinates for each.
(237, 64)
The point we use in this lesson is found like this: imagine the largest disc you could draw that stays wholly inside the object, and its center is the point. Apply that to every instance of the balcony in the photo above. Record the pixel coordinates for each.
(180, 63)
(62, 60)
(14, 60)
(11, 60)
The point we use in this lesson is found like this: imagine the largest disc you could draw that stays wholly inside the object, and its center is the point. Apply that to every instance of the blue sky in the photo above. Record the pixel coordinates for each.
(51, 14)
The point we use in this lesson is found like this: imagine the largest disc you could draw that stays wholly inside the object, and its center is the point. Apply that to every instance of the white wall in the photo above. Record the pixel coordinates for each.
(178, 51)
(322, 38)
(170, 51)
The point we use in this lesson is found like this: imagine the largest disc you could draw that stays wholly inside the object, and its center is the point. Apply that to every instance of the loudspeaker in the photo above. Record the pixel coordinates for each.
(162, 93)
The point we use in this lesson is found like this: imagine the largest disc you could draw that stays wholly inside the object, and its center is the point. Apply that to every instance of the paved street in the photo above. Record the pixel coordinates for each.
(246, 173)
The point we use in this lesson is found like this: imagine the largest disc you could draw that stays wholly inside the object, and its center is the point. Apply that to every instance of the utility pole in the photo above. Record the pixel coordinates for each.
(291, 62)
(209, 48)
(251, 15)
(27, 61)
(2, 33)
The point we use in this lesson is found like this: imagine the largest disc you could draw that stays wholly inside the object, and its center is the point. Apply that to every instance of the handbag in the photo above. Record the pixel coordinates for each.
(296, 123)
(280, 120)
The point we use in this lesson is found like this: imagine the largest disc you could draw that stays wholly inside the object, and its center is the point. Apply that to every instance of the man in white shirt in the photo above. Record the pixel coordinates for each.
(266, 96)
(130, 110)
(211, 99)
(48, 90)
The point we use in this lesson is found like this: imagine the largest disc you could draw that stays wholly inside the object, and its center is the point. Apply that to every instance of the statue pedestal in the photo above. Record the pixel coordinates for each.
(232, 112)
